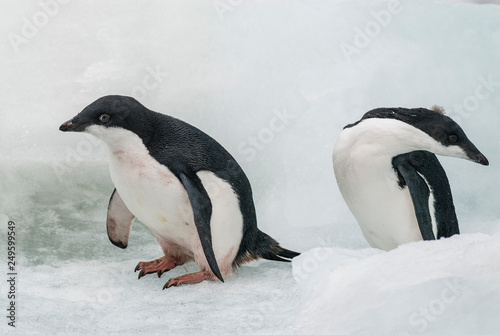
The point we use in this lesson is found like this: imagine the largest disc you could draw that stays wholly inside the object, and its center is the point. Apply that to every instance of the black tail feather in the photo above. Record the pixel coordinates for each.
(280, 254)
(288, 253)
(273, 257)
(271, 250)
(262, 246)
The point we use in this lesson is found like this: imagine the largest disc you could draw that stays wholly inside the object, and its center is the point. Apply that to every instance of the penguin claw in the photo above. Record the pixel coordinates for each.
(167, 285)
(172, 282)
(141, 274)
(158, 266)
(190, 278)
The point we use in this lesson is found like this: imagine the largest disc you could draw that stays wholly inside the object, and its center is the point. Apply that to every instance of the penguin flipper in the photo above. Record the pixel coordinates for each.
(419, 192)
(428, 166)
(119, 221)
(202, 211)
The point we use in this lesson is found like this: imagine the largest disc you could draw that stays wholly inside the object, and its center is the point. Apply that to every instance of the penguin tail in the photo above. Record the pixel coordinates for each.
(262, 246)
(270, 249)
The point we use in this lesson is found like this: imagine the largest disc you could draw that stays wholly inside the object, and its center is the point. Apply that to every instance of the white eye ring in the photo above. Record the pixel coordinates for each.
(104, 118)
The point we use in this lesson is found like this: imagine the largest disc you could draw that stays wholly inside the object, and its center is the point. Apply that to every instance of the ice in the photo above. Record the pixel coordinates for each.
(274, 83)
(448, 286)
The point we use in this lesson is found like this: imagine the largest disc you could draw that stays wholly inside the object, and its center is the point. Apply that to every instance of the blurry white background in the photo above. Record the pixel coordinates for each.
(274, 83)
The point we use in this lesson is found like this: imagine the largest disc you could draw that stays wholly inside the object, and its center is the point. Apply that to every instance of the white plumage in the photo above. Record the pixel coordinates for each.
(362, 160)
(159, 200)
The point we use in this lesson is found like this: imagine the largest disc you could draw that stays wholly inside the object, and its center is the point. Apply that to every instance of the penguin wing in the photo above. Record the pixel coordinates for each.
(119, 221)
(419, 192)
(423, 174)
(202, 211)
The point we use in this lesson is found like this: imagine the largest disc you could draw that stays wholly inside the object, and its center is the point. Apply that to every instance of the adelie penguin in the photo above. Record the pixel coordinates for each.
(182, 184)
(390, 178)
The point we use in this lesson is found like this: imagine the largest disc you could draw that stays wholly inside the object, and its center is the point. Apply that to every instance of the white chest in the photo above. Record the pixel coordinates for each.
(149, 189)
(158, 199)
(369, 185)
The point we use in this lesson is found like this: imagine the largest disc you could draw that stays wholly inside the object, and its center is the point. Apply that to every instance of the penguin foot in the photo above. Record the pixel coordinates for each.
(160, 266)
(190, 278)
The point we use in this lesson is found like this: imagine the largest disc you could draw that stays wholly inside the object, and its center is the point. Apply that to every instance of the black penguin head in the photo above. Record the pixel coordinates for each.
(450, 139)
(112, 111)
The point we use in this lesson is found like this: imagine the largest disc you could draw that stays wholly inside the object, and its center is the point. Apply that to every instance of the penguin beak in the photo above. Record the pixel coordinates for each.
(474, 155)
(67, 126)
(72, 126)
(479, 158)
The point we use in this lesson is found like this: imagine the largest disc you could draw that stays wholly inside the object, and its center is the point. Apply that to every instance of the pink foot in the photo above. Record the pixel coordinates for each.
(159, 266)
(190, 278)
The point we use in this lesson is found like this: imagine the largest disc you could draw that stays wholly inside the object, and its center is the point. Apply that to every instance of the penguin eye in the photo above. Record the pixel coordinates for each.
(104, 118)
(452, 138)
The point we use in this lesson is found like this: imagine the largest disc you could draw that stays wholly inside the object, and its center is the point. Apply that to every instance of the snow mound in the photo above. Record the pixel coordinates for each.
(450, 286)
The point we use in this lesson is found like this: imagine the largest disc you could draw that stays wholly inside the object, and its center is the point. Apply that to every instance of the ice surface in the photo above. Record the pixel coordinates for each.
(269, 80)
(448, 286)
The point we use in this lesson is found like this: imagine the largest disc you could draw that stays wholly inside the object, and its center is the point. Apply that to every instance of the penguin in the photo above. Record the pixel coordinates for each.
(389, 176)
(181, 184)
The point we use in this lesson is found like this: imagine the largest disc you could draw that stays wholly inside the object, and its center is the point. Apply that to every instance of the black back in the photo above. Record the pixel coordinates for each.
(178, 145)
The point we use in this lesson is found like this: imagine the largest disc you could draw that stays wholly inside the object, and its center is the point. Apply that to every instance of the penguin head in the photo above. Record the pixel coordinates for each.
(424, 129)
(110, 113)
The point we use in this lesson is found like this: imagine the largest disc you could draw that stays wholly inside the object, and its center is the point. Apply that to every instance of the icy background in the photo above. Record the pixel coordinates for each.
(235, 69)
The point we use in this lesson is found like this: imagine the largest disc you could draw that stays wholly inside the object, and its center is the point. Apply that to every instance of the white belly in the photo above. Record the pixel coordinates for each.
(155, 196)
(370, 188)
(159, 200)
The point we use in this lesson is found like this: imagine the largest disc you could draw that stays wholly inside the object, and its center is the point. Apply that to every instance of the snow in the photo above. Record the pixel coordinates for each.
(448, 286)
(274, 82)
